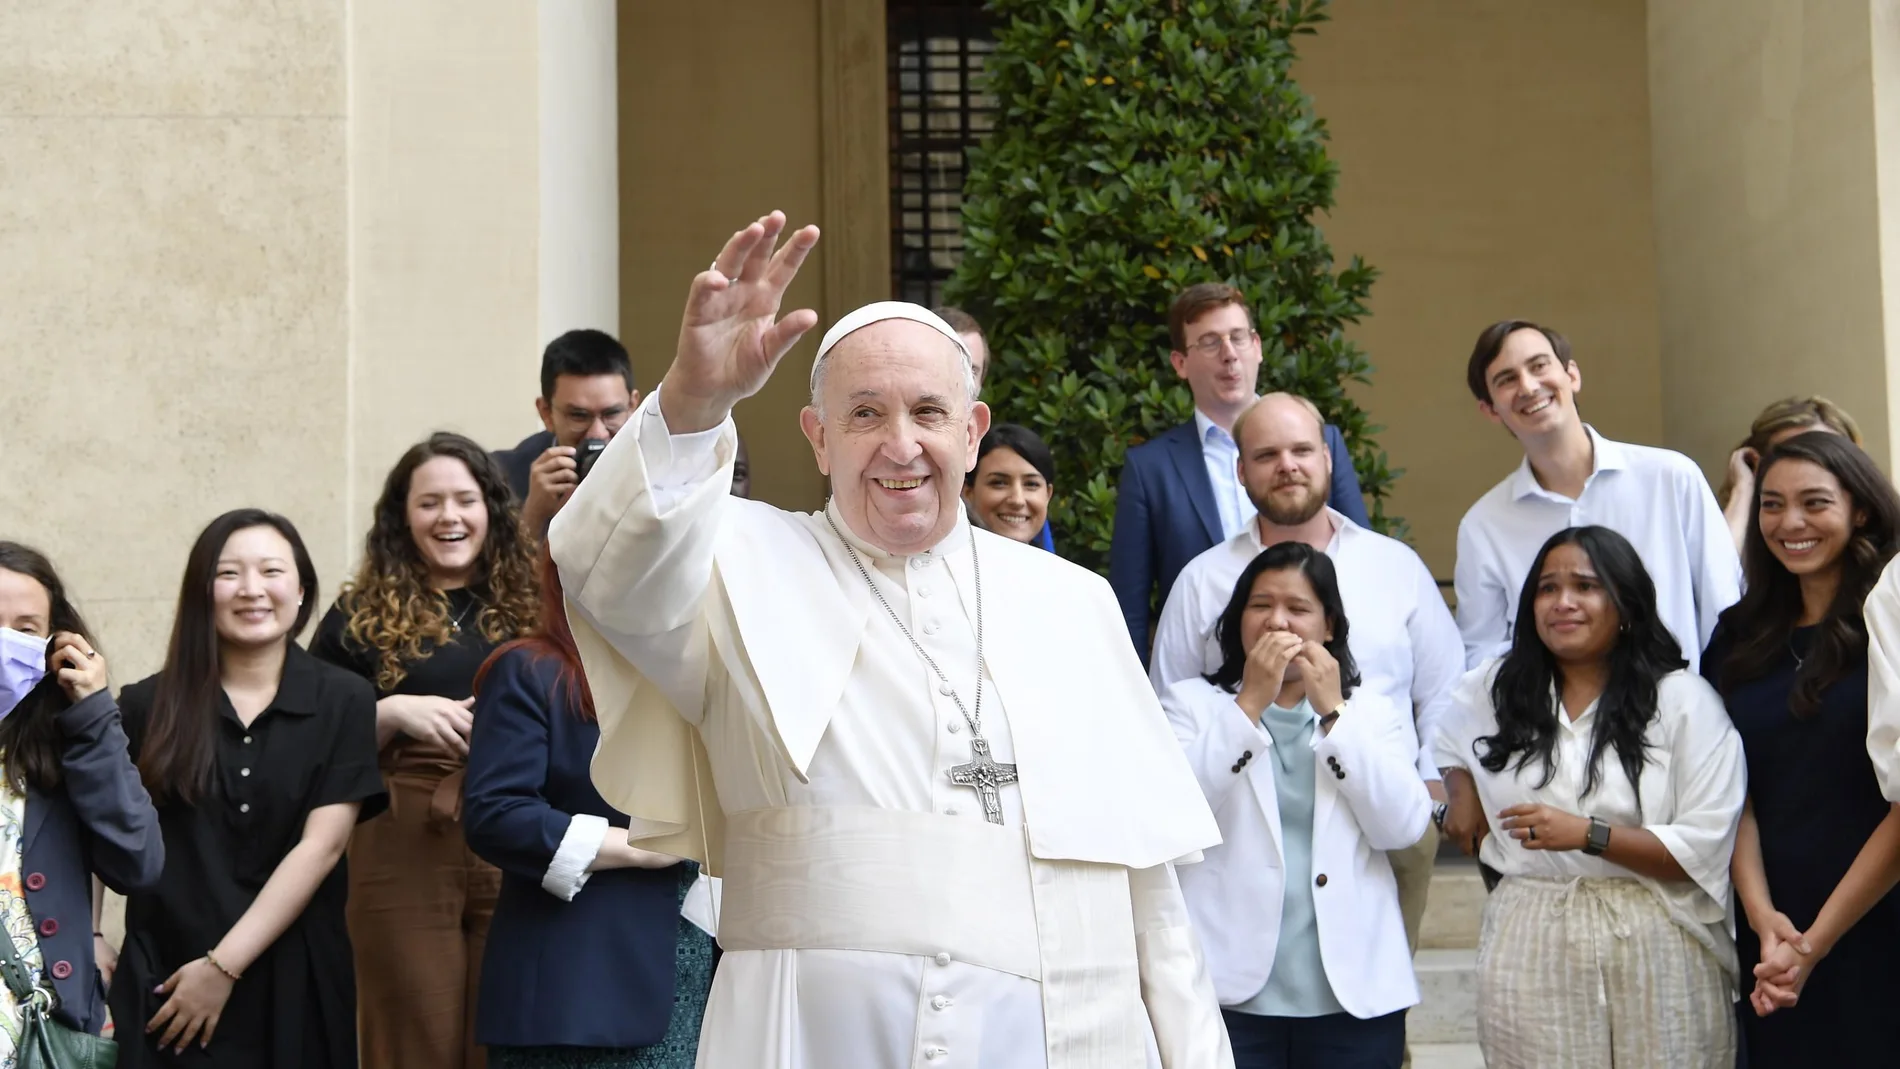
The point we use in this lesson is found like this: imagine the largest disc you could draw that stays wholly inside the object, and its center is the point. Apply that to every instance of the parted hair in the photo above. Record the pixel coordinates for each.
(1320, 574)
(1762, 623)
(1491, 342)
(390, 606)
(1023, 442)
(29, 735)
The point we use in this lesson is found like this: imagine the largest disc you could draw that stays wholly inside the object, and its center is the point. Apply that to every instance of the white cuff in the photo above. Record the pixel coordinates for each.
(702, 904)
(676, 463)
(567, 873)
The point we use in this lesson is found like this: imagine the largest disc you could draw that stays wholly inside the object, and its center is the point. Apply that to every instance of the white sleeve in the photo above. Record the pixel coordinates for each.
(1180, 634)
(1467, 716)
(1438, 660)
(1483, 604)
(1219, 740)
(1371, 751)
(1717, 568)
(1711, 781)
(1176, 987)
(1882, 613)
(568, 872)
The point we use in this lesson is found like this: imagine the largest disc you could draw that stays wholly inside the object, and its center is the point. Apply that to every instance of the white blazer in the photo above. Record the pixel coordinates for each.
(1235, 895)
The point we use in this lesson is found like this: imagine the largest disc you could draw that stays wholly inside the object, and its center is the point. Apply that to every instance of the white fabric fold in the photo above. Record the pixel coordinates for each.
(568, 872)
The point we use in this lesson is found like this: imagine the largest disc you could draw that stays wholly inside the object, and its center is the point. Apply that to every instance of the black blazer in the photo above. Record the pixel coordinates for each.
(97, 820)
(596, 971)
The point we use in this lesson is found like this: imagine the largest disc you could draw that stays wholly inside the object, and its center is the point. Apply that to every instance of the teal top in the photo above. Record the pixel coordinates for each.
(1297, 985)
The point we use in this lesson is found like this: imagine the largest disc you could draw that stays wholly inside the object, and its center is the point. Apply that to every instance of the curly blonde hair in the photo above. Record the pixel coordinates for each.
(390, 605)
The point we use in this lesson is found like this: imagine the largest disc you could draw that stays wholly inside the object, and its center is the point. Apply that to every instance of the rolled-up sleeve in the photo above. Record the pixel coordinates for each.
(1710, 780)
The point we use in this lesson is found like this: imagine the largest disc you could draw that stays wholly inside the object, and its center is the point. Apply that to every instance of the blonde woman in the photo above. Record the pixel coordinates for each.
(1777, 423)
(447, 577)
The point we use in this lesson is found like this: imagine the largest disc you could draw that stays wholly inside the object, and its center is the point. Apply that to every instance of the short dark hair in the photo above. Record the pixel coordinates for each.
(1491, 343)
(585, 353)
(1196, 301)
(960, 321)
(1319, 571)
(1024, 443)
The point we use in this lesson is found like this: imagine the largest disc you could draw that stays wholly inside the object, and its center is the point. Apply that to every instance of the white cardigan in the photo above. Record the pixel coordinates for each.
(1235, 894)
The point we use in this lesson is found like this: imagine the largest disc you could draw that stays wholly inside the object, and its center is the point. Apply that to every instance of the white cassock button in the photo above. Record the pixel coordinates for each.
(943, 958)
(923, 591)
(920, 562)
(930, 628)
(933, 1053)
(948, 811)
(946, 689)
(956, 728)
(941, 1002)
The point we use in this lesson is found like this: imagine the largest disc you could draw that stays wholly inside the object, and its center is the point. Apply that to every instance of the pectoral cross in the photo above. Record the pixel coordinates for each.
(986, 776)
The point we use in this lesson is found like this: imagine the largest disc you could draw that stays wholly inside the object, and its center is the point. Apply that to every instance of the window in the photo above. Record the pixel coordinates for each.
(938, 111)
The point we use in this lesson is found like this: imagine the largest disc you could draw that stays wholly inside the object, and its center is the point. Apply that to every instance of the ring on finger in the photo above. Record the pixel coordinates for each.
(1533, 834)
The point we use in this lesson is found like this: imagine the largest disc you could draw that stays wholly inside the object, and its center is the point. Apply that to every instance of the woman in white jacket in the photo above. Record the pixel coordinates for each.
(1297, 907)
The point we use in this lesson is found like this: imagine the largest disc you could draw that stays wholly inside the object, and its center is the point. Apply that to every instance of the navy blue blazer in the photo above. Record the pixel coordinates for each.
(593, 972)
(97, 820)
(1165, 516)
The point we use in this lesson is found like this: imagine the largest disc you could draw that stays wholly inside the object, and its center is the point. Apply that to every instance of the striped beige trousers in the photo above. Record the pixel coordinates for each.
(1593, 974)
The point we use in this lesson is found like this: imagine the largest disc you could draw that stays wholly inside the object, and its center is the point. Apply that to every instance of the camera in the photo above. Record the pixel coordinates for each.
(585, 454)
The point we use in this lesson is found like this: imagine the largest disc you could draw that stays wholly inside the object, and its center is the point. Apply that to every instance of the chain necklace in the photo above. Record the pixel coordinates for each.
(982, 773)
(455, 625)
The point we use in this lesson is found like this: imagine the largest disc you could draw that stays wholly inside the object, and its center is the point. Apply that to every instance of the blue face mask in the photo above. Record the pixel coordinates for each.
(22, 666)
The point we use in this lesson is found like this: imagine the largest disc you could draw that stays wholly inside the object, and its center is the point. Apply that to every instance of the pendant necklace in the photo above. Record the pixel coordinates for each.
(980, 773)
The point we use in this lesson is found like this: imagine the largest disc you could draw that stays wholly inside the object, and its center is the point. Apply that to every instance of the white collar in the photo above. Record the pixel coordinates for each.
(956, 541)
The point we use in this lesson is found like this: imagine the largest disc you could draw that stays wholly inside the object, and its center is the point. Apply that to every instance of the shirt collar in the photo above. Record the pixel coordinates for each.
(953, 543)
(1606, 455)
(1582, 725)
(1249, 535)
(1208, 430)
(296, 689)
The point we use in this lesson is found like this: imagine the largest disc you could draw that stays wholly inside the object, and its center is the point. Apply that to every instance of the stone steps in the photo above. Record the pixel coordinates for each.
(1443, 1027)
(1446, 1056)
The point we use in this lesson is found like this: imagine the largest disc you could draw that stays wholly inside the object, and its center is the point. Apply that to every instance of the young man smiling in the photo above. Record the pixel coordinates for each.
(1525, 380)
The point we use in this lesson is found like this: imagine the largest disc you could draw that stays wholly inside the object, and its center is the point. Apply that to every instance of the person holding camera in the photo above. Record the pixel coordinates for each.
(586, 395)
(447, 577)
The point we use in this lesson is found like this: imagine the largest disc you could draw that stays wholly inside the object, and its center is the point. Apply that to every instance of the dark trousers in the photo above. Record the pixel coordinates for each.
(1336, 1041)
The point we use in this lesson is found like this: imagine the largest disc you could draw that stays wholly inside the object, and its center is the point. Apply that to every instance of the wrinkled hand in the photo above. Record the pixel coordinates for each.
(195, 998)
(1265, 671)
(1554, 829)
(731, 337)
(551, 477)
(80, 668)
(436, 721)
(1321, 674)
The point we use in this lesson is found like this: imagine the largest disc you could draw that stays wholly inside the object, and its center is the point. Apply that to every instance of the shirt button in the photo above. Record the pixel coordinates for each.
(923, 591)
(244, 807)
(948, 811)
(941, 1002)
(956, 728)
(946, 689)
(943, 958)
(920, 562)
(1320, 880)
(930, 628)
(244, 771)
(934, 1053)
(247, 740)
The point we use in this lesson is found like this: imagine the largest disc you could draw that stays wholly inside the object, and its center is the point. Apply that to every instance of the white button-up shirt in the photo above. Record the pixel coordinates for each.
(1656, 498)
(1222, 455)
(1400, 633)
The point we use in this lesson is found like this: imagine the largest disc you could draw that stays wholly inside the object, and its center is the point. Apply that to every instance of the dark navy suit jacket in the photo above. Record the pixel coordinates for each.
(593, 972)
(97, 820)
(1165, 516)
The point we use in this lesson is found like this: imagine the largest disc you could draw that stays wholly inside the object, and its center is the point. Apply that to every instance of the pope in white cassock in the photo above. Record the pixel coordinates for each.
(924, 759)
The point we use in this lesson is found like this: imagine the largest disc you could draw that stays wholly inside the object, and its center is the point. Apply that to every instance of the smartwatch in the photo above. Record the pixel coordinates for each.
(1598, 839)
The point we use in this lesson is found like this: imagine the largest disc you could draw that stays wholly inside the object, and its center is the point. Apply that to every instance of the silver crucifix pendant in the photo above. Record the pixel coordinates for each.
(986, 776)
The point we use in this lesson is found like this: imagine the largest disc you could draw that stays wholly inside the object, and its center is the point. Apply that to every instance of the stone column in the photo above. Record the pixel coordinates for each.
(580, 172)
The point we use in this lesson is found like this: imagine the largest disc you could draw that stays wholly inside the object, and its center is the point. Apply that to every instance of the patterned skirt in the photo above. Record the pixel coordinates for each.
(1587, 973)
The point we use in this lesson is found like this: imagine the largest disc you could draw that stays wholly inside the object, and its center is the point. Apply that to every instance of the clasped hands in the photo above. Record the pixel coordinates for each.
(1788, 958)
(1273, 655)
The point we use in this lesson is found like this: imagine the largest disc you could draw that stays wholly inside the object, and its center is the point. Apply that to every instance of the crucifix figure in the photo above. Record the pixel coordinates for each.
(986, 776)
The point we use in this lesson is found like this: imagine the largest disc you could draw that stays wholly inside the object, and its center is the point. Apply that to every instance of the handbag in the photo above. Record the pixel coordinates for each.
(45, 1043)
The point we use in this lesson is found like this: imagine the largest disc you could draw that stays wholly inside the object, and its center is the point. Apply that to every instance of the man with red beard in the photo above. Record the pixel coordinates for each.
(1402, 636)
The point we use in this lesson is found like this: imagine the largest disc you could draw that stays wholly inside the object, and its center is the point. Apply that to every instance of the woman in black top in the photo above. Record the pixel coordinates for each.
(446, 578)
(261, 760)
(1818, 851)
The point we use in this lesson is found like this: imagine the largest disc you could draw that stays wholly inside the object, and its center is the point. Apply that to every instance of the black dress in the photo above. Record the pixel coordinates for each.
(1816, 803)
(295, 1008)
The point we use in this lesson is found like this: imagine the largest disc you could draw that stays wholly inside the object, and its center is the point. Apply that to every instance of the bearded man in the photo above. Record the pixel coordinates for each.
(922, 757)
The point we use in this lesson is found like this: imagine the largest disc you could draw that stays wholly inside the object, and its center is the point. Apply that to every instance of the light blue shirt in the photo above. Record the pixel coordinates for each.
(1222, 455)
(1297, 985)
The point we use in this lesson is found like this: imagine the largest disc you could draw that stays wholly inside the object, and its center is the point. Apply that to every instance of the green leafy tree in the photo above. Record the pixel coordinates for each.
(1143, 146)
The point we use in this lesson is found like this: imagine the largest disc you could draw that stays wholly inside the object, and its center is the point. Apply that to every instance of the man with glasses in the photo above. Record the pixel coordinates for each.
(1181, 493)
(586, 392)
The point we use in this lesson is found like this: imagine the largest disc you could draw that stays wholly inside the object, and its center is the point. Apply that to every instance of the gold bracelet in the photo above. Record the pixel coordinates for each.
(215, 964)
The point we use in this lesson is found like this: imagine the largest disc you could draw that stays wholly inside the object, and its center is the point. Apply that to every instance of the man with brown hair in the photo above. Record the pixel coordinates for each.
(1181, 494)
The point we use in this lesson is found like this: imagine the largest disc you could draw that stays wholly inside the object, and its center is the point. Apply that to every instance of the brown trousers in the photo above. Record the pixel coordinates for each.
(420, 903)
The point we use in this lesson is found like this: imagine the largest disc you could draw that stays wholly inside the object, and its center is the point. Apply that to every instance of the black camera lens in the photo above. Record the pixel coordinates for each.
(585, 454)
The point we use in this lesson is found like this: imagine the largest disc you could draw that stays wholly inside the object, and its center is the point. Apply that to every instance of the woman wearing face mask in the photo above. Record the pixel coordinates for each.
(1008, 491)
(65, 773)
(447, 576)
(261, 759)
(1777, 423)
(1604, 781)
(1297, 908)
(1819, 848)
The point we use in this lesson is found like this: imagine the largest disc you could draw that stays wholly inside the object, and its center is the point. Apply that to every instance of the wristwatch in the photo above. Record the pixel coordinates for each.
(1598, 840)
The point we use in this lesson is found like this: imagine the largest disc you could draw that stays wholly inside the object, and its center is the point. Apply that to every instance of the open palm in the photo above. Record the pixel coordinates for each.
(731, 337)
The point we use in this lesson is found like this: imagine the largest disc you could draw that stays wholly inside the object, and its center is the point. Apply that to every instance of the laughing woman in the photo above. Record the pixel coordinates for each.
(446, 578)
(1008, 491)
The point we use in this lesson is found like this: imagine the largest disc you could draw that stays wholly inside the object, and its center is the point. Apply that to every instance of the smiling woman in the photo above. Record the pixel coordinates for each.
(1008, 491)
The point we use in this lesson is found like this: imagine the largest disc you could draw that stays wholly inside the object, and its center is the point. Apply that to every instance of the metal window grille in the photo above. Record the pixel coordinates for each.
(939, 109)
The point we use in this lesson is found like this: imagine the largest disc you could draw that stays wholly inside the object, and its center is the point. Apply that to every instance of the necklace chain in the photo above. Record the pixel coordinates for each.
(975, 721)
(455, 624)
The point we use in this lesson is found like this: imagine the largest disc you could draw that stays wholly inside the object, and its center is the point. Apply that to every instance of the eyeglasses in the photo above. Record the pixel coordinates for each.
(1211, 344)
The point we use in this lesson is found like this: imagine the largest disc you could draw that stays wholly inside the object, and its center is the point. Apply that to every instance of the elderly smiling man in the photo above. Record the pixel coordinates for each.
(923, 757)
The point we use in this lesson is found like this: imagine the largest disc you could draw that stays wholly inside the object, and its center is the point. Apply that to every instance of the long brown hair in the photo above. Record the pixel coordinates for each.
(29, 735)
(551, 638)
(175, 760)
(394, 611)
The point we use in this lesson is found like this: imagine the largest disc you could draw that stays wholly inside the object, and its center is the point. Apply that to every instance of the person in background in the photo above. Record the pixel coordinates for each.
(67, 773)
(1180, 494)
(1819, 850)
(742, 472)
(1777, 423)
(261, 759)
(589, 962)
(1604, 782)
(586, 392)
(447, 576)
(1008, 491)
(1311, 781)
(970, 332)
(1524, 380)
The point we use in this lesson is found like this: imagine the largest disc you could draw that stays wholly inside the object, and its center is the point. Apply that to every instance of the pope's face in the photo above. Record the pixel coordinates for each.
(896, 433)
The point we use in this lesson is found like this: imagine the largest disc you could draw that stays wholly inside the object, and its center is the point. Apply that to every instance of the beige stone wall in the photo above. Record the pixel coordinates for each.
(1494, 161)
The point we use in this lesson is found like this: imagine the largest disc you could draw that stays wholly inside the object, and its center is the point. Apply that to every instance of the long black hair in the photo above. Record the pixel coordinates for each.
(29, 735)
(1762, 623)
(1317, 567)
(175, 760)
(1525, 690)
